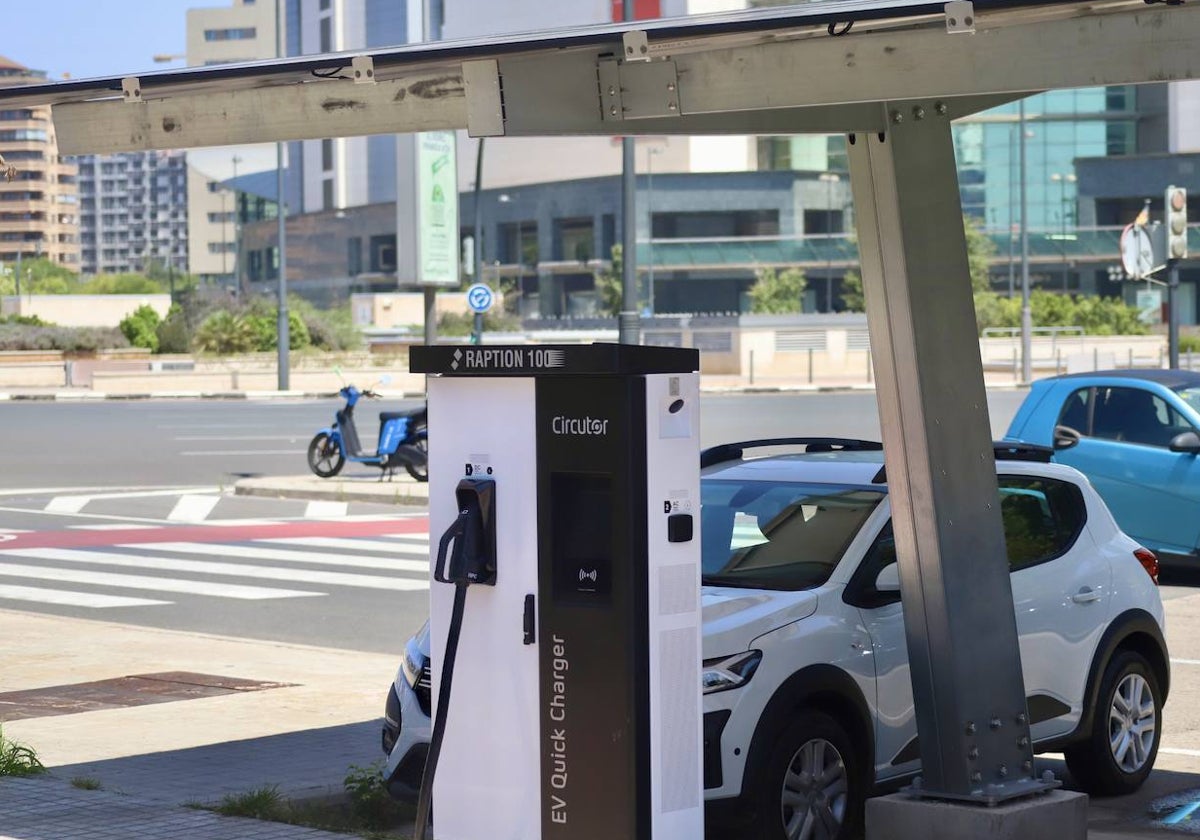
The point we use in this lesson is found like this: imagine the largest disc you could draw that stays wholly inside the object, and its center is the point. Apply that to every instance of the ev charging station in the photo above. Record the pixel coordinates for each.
(564, 489)
(891, 75)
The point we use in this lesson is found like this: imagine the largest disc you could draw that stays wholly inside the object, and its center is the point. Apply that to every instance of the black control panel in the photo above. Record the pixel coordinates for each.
(592, 616)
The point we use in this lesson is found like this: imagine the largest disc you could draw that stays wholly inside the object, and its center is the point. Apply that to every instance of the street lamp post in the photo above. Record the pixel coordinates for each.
(830, 178)
(1062, 181)
(650, 153)
(282, 327)
(237, 237)
(1026, 311)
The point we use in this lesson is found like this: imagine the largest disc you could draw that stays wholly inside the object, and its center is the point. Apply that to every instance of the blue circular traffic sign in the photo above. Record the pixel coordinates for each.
(480, 298)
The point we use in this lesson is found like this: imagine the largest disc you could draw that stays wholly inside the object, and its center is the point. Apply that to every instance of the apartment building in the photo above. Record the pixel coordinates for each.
(242, 31)
(133, 212)
(39, 206)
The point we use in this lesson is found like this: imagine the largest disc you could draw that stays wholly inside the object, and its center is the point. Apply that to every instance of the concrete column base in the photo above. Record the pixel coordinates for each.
(1058, 815)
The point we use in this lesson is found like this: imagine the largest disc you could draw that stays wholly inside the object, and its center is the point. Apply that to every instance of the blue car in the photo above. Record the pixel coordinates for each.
(1136, 435)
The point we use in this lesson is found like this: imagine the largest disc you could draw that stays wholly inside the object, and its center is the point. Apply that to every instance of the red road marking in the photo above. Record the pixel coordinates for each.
(214, 534)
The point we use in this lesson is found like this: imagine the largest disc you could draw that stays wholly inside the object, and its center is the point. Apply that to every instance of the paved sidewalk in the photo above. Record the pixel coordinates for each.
(401, 490)
(153, 758)
(49, 808)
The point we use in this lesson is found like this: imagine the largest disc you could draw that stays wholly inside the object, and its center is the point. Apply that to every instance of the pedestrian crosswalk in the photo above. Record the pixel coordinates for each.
(157, 573)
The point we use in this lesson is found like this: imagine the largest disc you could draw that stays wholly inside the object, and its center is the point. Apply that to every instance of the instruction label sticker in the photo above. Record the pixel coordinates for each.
(677, 501)
(478, 465)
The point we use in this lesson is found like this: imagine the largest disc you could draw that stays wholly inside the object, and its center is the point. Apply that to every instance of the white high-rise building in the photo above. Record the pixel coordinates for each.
(243, 31)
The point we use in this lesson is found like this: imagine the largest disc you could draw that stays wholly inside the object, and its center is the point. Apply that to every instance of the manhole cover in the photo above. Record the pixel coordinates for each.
(122, 692)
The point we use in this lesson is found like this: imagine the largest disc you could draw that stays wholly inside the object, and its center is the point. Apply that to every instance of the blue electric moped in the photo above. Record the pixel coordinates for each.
(403, 441)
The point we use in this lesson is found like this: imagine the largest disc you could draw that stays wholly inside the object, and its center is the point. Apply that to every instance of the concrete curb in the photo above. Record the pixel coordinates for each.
(400, 492)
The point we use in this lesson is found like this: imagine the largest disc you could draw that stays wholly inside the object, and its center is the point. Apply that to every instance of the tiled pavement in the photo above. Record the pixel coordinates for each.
(50, 808)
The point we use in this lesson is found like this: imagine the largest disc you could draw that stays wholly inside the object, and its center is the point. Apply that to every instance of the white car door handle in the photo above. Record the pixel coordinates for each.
(1085, 595)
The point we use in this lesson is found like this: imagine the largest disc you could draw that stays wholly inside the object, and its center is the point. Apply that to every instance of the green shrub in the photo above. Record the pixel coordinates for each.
(121, 284)
(16, 759)
(225, 333)
(174, 335)
(140, 327)
(25, 321)
(1189, 344)
(369, 799)
(66, 339)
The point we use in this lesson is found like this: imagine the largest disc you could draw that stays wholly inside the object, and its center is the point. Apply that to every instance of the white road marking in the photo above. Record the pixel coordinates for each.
(1178, 751)
(228, 452)
(67, 504)
(393, 548)
(194, 438)
(72, 599)
(193, 508)
(1185, 661)
(112, 526)
(407, 538)
(319, 510)
(257, 553)
(156, 584)
(169, 564)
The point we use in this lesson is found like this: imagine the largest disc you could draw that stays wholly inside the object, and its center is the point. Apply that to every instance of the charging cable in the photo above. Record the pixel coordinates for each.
(425, 801)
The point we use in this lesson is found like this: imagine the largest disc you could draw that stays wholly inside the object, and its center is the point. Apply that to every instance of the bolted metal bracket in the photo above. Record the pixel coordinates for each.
(636, 46)
(637, 91)
(364, 69)
(131, 89)
(960, 17)
(992, 793)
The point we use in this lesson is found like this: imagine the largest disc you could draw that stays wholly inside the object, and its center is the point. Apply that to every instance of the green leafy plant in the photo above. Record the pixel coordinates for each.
(1189, 344)
(609, 284)
(17, 759)
(369, 800)
(174, 334)
(225, 333)
(140, 327)
(86, 783)
(778, 292)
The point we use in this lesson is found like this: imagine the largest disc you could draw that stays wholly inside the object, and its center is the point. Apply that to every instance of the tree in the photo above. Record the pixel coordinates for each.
(980, 249)
(609, 285)
(141, 328)
(778, 292)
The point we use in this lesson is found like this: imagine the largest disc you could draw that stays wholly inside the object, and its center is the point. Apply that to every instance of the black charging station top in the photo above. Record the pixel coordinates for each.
(551, 359)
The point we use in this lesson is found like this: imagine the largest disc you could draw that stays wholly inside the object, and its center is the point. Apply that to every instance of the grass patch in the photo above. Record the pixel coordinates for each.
(85, 783)
(366, 809)
(16, 759)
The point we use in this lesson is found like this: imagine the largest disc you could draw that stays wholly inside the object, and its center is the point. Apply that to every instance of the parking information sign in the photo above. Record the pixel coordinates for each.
(437, 209)
(480, 298)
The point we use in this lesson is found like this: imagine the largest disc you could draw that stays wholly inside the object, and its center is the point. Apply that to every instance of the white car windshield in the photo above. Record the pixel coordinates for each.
(774, 535)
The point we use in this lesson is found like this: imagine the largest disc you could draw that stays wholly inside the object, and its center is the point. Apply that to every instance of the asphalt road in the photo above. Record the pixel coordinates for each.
(203, 442)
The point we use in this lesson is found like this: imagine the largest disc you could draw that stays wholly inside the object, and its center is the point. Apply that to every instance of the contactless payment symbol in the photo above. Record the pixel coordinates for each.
(480, 298)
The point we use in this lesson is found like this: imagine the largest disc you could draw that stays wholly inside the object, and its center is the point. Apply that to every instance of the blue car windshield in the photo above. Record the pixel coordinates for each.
(1191, 396)
(778, 535)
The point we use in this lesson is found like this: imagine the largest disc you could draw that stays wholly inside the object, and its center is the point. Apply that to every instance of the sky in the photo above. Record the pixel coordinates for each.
(88, 38)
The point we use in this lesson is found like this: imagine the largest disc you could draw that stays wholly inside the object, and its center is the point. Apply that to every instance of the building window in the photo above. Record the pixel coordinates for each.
(324, 5)
(383, 253)
(327, 193)
(327, 155)
(218, 218)
(354, 255)
(576, 240)
(326, 44)
(245, 33)
(23, 134)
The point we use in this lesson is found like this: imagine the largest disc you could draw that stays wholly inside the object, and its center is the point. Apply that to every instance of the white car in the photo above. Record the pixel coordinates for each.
(808, 704)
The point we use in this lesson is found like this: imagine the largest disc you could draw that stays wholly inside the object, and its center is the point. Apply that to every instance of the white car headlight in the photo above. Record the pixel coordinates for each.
(728, 672)
(412, 664)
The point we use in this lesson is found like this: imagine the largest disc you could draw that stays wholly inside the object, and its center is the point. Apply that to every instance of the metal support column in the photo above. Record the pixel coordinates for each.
(1173, 314)
(628, 322)
(954, 577)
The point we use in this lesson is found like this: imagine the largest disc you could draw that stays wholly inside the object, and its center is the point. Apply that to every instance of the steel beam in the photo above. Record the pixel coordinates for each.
(954, 577)
(317, 109)
(550, 89)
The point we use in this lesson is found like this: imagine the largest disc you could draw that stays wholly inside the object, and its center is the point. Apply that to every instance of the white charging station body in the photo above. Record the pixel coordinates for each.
(577, 713)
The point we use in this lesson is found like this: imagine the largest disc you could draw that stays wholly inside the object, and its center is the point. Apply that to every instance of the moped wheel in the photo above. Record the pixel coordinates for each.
(420, 471)
(325, 457)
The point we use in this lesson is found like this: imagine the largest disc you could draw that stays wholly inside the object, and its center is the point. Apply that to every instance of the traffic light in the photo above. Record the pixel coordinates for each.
(1176, 217)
